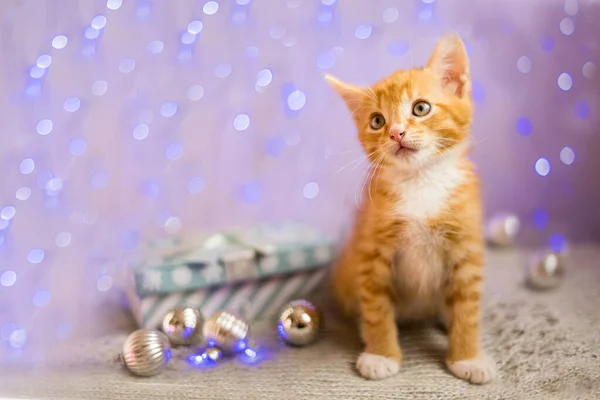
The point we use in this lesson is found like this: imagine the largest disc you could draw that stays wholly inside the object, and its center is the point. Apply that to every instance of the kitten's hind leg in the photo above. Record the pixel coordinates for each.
(344, 286)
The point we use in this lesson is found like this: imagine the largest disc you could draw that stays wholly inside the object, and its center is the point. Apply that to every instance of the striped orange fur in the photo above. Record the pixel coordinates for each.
(416, 250)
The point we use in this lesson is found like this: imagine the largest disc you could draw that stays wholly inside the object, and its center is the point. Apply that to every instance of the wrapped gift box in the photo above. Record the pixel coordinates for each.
(252, 272)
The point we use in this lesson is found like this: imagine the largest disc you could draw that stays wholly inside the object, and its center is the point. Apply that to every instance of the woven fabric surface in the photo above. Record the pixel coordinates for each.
(547, 346)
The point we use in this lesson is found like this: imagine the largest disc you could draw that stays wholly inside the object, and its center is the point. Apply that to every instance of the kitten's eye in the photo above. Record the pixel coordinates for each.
(421, 108)
(377, 122)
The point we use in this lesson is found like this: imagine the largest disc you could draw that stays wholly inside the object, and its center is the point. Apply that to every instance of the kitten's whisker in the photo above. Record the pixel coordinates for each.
(366, 182)
(356, 189)
(473, 140)
(359, 159)
(371, 154)
(439, 147)
(378, 173)
(366, 175)
(477, 142)
(451, 140)
(370, 181)
(359, 184)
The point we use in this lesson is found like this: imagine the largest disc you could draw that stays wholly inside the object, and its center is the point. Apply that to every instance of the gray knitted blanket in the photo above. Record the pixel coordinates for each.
(547, 346)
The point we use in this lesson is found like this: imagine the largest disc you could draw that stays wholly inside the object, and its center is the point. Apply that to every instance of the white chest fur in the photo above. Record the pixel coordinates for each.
(425, 195)
(419, 269)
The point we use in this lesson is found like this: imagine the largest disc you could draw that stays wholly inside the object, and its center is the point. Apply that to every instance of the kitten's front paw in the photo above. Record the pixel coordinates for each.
(372, 366)
(478, 370)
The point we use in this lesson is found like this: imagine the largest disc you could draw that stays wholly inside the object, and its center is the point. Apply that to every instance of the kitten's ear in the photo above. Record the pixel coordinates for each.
(350, 93)
(449, 61)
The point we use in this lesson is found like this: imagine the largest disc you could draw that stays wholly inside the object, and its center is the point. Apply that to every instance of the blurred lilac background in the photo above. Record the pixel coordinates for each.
(126, 119)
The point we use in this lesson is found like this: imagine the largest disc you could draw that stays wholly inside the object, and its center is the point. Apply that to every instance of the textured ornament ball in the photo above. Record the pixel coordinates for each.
(502, 229)
(226, 331)
(183, 326)
(146, 352)
(299, 323)
(546, 271)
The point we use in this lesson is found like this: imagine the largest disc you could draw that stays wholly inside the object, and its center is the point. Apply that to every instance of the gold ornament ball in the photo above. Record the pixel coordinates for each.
(546, 271)
(183, 326)
(226, 331)
(300, 323)
(146, 352)
(502, 229)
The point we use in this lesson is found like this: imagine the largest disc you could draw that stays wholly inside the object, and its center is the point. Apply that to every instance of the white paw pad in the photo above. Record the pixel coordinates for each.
(478, 370)
(372, 366)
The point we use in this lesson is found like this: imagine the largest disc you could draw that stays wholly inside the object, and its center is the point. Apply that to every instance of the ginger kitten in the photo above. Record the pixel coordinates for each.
(417, 249)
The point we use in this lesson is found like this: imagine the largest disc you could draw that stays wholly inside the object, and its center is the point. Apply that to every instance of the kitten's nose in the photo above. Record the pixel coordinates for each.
(396, 134)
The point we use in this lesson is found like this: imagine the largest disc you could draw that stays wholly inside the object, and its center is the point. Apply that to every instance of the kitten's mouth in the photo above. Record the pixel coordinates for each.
(404, 150)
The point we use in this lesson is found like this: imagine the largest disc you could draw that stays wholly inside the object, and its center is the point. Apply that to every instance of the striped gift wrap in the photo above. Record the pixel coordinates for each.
(251, 271)
(257, 299)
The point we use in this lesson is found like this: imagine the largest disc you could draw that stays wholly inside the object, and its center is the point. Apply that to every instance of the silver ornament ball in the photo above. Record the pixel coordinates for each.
(502, 229)
(213, 353)
(546, 271)
(299, 323)
(183, 326)
(146, 352)
(226, 331)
